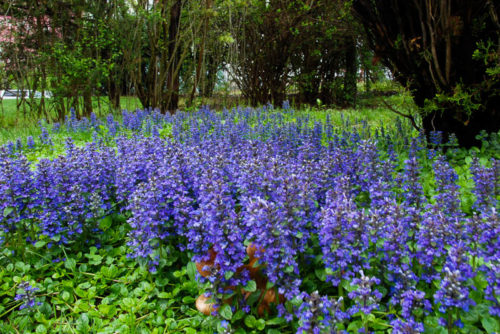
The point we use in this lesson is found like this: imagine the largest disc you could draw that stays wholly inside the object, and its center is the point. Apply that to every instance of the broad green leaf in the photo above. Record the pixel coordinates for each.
(7, 211)
(226, 312)
(65, 295)
(251, 286)
(250, 321)
(260, 324)
(105, 223)
(320, 274)
(70, 264)
(490, 324)
(40, 244)
(191, 270)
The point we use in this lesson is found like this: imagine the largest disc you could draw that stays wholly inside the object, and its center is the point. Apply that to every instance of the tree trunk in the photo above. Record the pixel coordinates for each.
(201, 52)
(351, 73)
(436, 49)
(114, 93)
(174, 52)
(87, 102)
(209, 83)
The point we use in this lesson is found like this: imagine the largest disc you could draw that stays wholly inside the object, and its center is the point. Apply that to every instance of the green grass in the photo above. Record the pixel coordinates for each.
(371, 110)
(16, 123)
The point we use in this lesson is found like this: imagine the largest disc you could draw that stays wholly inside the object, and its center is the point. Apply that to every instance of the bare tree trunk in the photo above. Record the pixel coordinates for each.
(87, 102)
(201, 52)
(174, 52)
(351, 72)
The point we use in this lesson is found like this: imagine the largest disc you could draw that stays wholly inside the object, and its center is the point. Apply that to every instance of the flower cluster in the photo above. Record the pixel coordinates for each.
(318, 314)
(27, 296)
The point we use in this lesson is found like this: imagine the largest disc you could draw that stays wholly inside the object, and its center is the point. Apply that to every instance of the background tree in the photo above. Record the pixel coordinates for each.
(162, 36)
(265, 41)
(64, 47)
(447, 53)
(324, 60)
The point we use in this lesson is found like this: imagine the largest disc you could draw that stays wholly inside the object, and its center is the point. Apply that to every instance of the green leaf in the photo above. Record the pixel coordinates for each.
(41, 329)
(490, 324)
(251, 286)
(253, 298)
(261, 324)
(320, 274)
(354, 326)
(470, 329)
(85, 285)
(273, 331)
(275, 321)
(165, 295)
(7, 211)
(65, 295)
(40, 244)
(471, 317)
(226, 312)
(228, 275)
(179, 273)
(250, 321)
(191, 270)
(188, 300)
(95, 259)
(105, 223)
(238, 315)
(128, 303)
(70, 264)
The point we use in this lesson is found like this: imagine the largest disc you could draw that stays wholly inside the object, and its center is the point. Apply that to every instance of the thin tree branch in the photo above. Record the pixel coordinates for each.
(408, 116)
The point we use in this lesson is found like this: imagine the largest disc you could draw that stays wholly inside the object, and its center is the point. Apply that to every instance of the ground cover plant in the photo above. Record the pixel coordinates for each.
(277, 221)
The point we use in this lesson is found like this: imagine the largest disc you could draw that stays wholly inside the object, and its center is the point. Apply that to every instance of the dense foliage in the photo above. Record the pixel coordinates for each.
(160, 51)
(448, 53)
(355, 230)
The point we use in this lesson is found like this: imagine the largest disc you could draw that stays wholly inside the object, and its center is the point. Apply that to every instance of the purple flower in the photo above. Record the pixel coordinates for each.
(224, 324)
(486, 184)
(319, 314)
(412, 300)
(30, 142)
(453, 290)
(45, 138)
(342, 236)
(365, 298)
(407, 326)
(27, 296)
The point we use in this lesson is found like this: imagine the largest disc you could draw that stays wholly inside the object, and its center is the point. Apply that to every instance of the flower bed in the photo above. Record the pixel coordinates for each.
(350, 234)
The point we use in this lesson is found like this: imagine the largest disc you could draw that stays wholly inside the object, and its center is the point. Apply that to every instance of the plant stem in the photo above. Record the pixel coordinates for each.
(341, 294)
(450, 323)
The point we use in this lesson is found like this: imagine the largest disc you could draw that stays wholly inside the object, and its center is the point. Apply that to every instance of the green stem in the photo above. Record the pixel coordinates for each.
(341, 294)
(9, 310)
(474, 256)
(450, 323)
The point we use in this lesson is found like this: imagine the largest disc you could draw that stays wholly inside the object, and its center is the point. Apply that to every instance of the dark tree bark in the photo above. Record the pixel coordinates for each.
(429, 47)
(174, 52)
(87, 103)
(208, 85)
(351, 72)
(114, 93)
